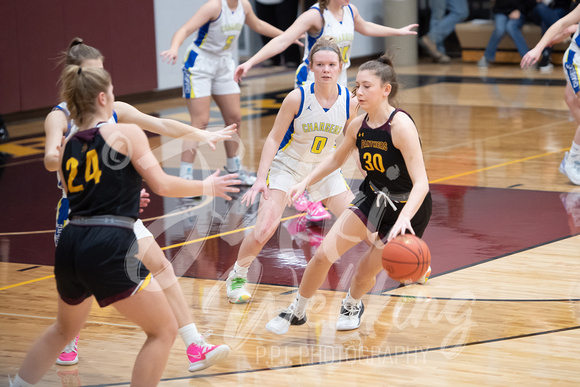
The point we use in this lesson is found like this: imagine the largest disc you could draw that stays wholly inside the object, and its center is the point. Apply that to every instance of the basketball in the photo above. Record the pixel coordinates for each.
(406, 258)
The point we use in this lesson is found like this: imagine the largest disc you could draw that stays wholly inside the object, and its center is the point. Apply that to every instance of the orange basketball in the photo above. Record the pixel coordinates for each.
(406, 258)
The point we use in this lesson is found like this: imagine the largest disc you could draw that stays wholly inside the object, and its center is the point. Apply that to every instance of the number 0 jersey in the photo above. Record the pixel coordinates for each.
(384, 164)
(219, 36)
(312, 135)
(99, 180)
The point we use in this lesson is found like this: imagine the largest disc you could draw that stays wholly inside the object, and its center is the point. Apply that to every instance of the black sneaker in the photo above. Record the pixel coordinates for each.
(350, 315)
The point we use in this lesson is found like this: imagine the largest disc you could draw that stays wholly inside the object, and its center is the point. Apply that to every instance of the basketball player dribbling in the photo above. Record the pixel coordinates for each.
(393, 199)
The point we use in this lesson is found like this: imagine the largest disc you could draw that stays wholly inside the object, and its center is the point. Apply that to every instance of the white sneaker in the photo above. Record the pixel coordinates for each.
(425, 277)
(236, 289)
(350, 315)
(571, 168)
(281, 323)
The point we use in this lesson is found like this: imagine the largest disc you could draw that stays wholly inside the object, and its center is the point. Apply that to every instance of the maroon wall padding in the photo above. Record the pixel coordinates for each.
(123, 30)
(39, 37)
(9, 71)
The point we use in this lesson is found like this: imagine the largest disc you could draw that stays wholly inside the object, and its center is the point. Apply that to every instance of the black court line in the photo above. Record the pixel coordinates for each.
(29, 268)
(378, 356)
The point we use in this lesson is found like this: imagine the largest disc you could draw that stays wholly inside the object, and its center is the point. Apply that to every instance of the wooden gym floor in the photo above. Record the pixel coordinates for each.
(502, 306)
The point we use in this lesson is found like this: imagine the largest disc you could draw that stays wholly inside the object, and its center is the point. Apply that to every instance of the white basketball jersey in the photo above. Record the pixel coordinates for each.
(219, 36)
(575, 43)
(312, 135)
(341, 31)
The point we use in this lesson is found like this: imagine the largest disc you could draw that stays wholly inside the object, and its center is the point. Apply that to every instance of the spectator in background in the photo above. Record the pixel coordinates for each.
(545, 13)
(509, 17)
(281, 14)
(441, 25)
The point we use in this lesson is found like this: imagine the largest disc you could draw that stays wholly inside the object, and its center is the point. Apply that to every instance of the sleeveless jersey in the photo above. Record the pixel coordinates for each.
(72, 129)
(575, 43)
(384, 164)
(312, 135)
(100, 181)
(341, 31)
(219, 36)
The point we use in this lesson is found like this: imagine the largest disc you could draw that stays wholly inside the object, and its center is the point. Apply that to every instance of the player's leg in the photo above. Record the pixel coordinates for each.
(570, 165)
(229, 105)
(149, 309)
(201, 354)
(40, 357)
(268, 219)
(362, 282)
(346, 232)
(199, 112)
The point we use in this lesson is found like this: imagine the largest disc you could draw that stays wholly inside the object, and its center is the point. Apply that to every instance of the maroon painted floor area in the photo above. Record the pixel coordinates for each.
(469, 225)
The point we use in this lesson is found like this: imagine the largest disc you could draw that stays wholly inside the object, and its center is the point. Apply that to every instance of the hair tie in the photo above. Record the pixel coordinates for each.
(80, 69)
(381, 60)
(77, 43)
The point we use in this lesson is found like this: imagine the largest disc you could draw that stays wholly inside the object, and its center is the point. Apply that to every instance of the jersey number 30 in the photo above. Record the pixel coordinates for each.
(373, 162)
(92, 171)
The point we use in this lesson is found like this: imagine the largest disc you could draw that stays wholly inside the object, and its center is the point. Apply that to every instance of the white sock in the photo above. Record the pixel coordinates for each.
(240, 270)
(18, 382)
(186, 170)
(189, 334)
(300, 303)
(349, 299)
(575, 149)
(233, 164)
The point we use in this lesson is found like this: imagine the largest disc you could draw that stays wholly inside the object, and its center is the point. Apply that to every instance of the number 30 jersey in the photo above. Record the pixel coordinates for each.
(384, 164)
(313, 133)
(99, 180)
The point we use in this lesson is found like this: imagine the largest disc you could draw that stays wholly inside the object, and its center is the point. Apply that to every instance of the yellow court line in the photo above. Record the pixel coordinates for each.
(498, 165)
(27, 282)
(223, 234)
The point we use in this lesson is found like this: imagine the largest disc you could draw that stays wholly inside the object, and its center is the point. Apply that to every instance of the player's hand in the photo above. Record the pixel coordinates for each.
(407, 30)
(143, 200)
(402, 224)
(241, 71)
(259, 186)
(224, 134)
(169, 56)
(295, 191)
(530, 58)
(219, 186)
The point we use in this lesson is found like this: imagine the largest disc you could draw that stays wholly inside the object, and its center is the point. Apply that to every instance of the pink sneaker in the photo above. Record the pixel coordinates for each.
(70, 378)
(70, 354)
(302, 203)
(202, 355)
(317, 213)
(315, 236)
(297, 225)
